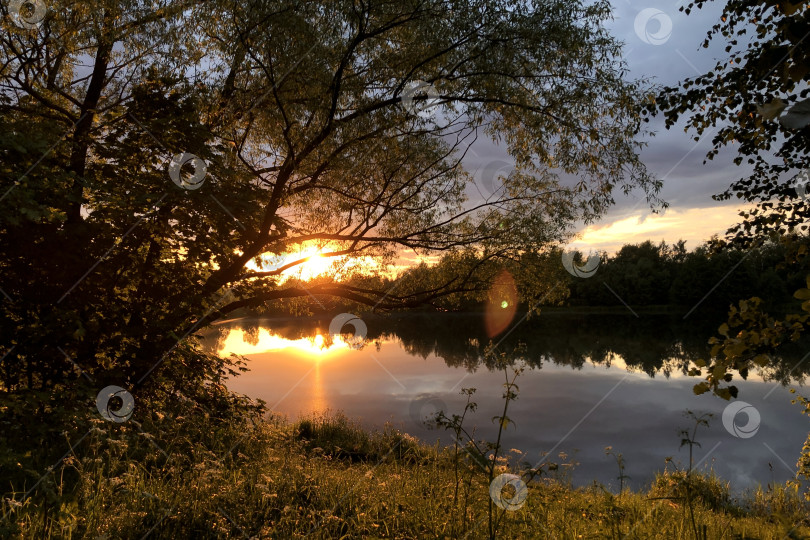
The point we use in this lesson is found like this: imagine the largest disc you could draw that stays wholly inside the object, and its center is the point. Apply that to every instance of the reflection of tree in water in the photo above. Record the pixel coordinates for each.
(286, 327)
(652, 344)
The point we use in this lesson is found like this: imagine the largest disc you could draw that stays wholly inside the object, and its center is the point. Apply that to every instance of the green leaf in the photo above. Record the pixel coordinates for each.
(700, 388)
(724, 393)
(802, 294)
(761, 360)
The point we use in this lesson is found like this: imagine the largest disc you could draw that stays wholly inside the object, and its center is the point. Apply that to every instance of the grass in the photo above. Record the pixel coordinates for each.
(325, 477)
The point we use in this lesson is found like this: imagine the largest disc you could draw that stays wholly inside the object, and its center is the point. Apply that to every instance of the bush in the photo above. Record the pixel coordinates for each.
(335, 436)
(706, 488)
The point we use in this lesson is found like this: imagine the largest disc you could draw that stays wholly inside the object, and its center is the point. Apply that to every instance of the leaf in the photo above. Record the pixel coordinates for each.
(797, 72)
(789, 8)
(700, 388)
(503, 421)
(761, 360)
(772, 109)
(718, 371)
(724, 393)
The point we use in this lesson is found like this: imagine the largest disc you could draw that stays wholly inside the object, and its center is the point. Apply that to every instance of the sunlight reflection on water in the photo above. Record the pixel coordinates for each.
(239, 342)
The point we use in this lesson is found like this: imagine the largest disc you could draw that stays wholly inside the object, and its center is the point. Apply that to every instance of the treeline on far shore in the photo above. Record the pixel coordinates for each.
(647, 275)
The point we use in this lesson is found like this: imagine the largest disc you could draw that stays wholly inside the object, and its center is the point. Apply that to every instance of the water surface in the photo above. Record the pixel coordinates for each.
(591, 381)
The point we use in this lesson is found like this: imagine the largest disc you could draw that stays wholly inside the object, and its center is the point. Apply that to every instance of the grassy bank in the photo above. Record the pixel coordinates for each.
(195, 476)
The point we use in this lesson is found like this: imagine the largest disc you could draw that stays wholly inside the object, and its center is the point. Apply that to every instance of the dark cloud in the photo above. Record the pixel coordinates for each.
(673, 154)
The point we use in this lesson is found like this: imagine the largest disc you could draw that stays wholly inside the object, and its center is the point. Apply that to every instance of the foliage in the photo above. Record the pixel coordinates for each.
(645, 274)
(748, 340)
(706, 489)
(486, 456)
(757, 100)
(650, 274)
(690, 439)
(620, 464)
(336, 437)
(304, 120)
(739, 102)
(803, 465)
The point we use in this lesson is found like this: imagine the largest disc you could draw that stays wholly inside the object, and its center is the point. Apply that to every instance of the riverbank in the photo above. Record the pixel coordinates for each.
(199, 476)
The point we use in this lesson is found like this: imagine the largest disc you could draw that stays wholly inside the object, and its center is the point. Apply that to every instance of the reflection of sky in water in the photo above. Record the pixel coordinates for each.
(559, 409)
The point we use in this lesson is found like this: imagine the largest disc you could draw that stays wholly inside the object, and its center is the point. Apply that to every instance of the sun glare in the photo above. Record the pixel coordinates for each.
(315, 263)
(315, 346)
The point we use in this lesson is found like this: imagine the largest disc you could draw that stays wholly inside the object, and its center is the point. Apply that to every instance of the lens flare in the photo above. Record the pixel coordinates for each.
(502, 301)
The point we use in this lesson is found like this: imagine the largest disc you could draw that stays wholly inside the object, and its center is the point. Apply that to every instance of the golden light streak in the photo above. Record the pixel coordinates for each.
(318, 403)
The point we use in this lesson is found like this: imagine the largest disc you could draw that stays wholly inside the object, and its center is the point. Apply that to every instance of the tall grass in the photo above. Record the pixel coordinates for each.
(325, 477)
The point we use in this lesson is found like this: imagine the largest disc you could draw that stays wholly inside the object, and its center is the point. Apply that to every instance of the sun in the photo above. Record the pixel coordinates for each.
(314, 265)
(317, 265)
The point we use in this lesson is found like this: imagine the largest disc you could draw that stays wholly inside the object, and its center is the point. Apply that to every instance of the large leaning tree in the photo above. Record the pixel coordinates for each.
(154, 154)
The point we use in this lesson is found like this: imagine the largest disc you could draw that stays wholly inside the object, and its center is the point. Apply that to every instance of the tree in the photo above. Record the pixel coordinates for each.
(755, 99)
(283, 124)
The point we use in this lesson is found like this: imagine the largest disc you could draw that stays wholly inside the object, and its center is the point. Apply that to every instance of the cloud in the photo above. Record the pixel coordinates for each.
(695, 225)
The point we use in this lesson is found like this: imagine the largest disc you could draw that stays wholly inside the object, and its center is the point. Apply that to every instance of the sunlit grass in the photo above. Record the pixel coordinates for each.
(325, 477)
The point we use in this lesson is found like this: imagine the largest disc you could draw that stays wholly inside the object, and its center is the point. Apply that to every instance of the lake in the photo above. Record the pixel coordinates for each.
(592, 380)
